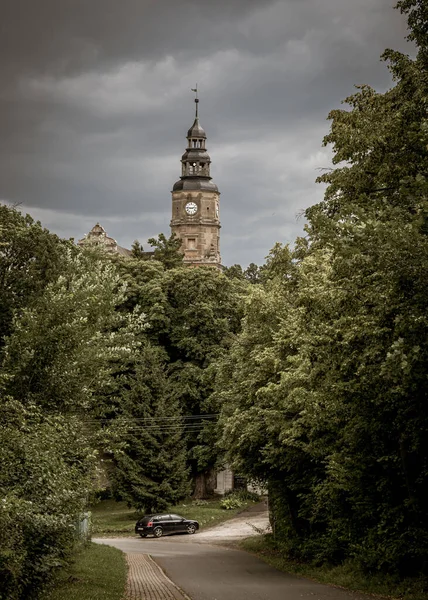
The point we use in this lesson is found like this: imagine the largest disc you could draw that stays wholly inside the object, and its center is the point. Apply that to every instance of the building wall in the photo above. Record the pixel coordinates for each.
(224, 481)
(200, 233)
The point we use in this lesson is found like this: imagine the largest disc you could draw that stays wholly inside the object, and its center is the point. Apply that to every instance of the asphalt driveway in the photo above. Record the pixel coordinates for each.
(206, 570)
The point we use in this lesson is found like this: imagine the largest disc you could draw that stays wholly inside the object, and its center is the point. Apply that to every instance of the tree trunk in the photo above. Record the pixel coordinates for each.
(211, 481)
(200, 487)
(205, 484)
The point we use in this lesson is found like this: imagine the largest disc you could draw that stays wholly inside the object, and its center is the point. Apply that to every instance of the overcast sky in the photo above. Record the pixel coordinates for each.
(95, 103)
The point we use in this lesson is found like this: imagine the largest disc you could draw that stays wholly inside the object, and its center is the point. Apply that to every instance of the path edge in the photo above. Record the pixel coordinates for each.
(150, 557)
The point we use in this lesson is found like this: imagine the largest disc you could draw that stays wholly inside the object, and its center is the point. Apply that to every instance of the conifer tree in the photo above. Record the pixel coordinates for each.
(150, 469)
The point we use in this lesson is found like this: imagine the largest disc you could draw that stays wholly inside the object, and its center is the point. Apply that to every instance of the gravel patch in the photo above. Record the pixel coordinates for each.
(253, 521)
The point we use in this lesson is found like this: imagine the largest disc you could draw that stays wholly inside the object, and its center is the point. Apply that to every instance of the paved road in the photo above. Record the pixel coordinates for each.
(212, 572)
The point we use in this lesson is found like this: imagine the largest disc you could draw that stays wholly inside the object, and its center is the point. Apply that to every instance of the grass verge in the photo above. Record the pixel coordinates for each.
(348, 576)
(97, 573)
(111, 517)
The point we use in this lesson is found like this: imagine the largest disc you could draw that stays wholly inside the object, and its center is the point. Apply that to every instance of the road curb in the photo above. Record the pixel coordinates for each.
(147, 581)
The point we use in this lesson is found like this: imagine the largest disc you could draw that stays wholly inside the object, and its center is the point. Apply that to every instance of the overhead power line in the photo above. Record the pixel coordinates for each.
(121, 419)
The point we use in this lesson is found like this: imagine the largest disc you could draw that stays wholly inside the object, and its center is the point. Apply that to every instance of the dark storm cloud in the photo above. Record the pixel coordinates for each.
(67, 36)
(95, 102)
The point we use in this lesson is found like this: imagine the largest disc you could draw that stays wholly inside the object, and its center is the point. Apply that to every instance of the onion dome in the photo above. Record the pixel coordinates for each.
(196, 130)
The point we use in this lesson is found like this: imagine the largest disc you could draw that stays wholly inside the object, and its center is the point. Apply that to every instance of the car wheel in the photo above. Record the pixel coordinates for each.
(191, 528)
(157, 532)
(143, 534)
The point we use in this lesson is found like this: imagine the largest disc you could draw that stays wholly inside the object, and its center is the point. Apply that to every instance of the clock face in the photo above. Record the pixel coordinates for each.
(191, 208)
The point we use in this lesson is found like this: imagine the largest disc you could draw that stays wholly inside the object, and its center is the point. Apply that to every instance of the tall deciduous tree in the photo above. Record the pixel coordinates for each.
(30, 258)
(62, 339)
(59, 350)
(326, 386)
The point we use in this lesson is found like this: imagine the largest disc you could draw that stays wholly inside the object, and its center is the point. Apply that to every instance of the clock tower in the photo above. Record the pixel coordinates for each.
(195, 203)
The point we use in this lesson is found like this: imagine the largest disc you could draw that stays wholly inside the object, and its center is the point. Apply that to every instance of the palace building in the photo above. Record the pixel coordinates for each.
(195, 207)
(98, 237)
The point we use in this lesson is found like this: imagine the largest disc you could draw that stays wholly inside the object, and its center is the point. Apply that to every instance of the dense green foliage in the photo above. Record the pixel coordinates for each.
(63, 333)
(46, 464)
(318, 370)
(192, 315)
(324, 393)
(252, 274)
(30, 258)
(150, 469)
(166, 250)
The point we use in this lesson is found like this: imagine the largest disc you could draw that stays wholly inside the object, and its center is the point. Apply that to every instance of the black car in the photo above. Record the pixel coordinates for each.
(159, 525)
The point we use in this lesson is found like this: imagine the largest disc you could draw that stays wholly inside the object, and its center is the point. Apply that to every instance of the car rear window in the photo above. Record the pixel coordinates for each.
(145, 520)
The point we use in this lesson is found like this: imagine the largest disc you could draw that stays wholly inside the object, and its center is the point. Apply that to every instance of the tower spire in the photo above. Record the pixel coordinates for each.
(195, 89)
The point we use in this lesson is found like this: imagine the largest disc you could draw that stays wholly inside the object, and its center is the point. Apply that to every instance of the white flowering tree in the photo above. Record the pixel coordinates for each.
(62, 342)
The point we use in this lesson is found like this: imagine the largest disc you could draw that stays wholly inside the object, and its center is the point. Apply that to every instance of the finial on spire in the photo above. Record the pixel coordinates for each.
(195, 89)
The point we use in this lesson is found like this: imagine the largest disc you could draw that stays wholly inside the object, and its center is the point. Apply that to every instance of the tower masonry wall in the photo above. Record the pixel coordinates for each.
(199, 232)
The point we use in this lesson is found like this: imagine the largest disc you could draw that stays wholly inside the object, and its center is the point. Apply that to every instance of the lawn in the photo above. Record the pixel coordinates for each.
(97, 573)
(115, 518)
(348, 575)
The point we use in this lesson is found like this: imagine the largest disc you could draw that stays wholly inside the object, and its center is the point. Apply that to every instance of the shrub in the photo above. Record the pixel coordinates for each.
(44, 481)
(231, 502)
(244, 495)
(199, 502)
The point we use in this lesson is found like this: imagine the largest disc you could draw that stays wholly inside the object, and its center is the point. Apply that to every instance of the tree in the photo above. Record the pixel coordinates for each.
(151, 470)
(192, 317)
(47, 466)
(253, 273)
(58, 352)
(234, 272)
(30, 258)
(137, 250)
(60, 346)
(149, 458)
(167, 250)
(204, 310)
(324, 390)
(258, 425)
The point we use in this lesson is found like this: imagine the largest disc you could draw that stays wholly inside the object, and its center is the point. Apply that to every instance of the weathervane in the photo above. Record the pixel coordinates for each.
(195, 89)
